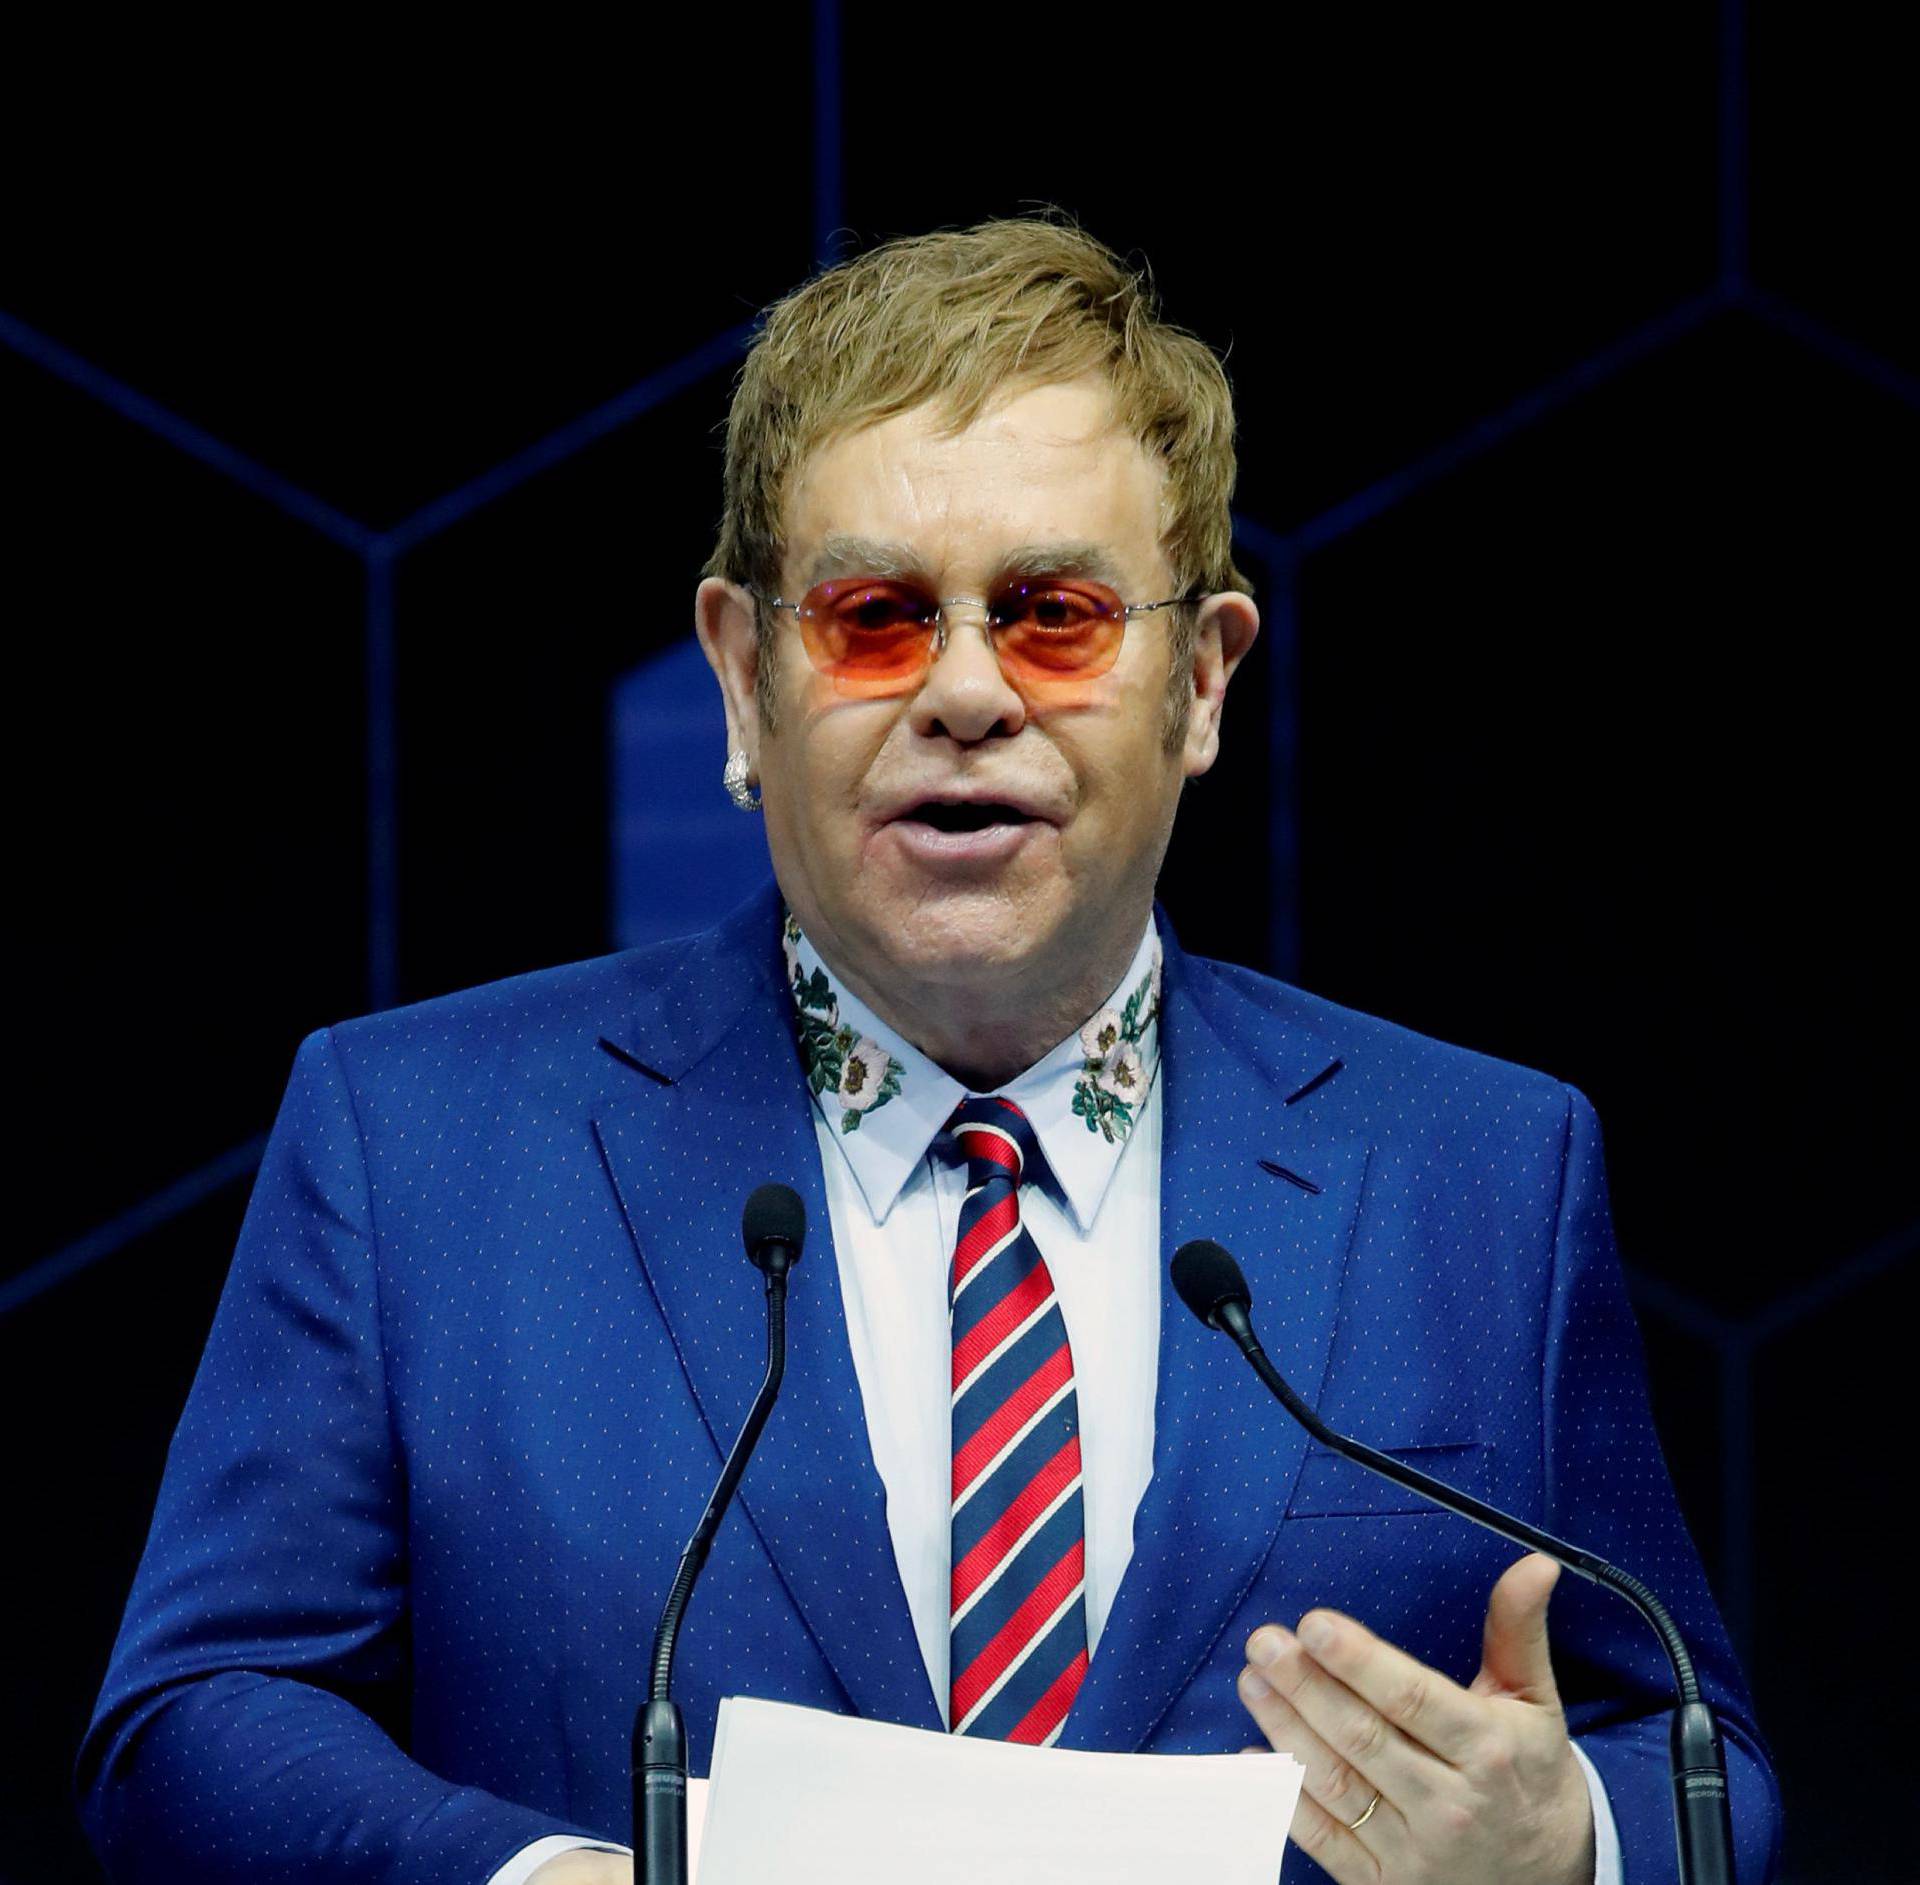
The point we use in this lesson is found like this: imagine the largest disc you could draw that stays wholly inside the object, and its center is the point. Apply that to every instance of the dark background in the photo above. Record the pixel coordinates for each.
(358, 409)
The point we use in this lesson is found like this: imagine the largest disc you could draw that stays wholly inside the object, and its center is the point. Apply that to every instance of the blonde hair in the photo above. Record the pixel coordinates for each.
(953, 319)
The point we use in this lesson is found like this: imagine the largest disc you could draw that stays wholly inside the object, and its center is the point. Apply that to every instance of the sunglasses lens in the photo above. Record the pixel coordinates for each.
(1058, 631)
(871, 636)
(874, 635)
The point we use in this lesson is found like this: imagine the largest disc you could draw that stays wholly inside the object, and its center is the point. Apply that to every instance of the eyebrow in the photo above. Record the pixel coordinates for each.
(862, 556)
(1061, 559)
(868, 556)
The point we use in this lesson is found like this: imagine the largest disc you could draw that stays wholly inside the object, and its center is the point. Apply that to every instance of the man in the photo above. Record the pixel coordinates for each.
(974, 615)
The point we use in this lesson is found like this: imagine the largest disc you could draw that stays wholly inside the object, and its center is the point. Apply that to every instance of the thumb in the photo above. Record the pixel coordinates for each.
(1514, 1659)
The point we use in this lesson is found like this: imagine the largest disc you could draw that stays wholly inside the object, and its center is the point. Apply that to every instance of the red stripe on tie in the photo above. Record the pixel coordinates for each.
(1015, 1411)
(1006, 1531)
(1051, 1709)
(1017, 1633)
(991, 1147)
(999, 1322)
(994, 1222)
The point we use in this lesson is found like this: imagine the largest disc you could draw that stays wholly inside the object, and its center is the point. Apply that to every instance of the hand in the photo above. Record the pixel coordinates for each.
(584, 1867)
(1477, 1786)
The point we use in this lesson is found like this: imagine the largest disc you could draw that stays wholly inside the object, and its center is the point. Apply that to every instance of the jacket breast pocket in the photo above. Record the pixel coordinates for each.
(1332, 1487)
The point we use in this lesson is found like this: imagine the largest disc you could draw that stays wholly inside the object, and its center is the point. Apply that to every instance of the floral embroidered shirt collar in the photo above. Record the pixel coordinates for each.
(887, 1101)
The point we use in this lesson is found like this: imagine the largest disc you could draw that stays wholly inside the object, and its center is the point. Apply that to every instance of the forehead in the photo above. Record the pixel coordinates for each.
(1043, 465)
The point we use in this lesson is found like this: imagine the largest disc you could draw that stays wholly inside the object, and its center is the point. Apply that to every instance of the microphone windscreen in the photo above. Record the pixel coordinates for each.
(774, 1215)
(1207, 1278)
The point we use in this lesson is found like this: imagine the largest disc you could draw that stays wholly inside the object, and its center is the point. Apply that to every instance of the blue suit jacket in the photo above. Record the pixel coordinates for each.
(488, 1331)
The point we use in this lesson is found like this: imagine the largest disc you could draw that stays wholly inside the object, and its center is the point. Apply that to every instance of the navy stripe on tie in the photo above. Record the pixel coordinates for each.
(1066, 1640)
(989, 1285)
(1010, 1590)
(992, 1497)
(987, 1393)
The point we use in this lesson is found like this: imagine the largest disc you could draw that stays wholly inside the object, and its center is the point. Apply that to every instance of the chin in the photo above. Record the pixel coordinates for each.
(965, 935)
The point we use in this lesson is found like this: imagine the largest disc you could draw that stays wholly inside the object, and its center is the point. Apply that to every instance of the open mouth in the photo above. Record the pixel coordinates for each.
(972, 817)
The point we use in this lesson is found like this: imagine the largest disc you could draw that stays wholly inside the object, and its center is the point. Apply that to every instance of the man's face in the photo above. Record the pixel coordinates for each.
(958, 833)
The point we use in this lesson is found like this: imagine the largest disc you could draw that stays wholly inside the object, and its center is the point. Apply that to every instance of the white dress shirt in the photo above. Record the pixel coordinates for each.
(893, 1201)
(894, 1195)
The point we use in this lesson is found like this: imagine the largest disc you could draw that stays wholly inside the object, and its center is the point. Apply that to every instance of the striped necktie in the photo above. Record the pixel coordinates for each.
(1018, 1618)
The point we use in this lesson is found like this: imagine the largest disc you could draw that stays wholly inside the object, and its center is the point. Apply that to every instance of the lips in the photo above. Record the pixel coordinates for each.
(970, 816)
(964, 834)
(952, 812)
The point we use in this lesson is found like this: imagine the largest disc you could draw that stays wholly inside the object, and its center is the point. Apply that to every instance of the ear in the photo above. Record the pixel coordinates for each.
(723, 618)
(1225, 631)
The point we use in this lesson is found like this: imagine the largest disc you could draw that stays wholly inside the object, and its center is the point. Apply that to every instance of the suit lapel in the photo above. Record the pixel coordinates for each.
(720, 1104)
(1225, 1458)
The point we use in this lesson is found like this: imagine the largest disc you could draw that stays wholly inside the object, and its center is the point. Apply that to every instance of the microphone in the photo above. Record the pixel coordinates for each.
(1211, 1284)
(774, 1227)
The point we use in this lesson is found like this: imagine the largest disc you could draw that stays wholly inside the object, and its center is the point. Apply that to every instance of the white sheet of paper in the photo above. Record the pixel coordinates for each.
(804, 1796)
(696, 1825)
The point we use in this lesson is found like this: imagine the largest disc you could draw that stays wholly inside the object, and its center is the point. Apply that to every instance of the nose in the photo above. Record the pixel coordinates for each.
(965, 697)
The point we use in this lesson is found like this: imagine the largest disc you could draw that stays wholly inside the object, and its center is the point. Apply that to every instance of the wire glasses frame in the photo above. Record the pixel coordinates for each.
(874, 636)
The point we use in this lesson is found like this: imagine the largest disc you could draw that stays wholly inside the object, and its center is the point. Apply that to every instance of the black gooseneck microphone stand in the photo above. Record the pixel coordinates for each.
(774, 1226)
(1210, 1283)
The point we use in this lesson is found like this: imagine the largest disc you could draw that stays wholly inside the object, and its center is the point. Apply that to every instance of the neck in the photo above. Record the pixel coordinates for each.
(987, 1031)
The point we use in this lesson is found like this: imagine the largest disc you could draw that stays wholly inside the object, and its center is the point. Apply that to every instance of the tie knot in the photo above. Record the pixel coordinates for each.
(994, 1136)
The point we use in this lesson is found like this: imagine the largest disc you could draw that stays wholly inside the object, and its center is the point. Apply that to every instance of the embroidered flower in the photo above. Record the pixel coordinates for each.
(1113, 1076)
(862, 1067)
(1101, 1035)
(853, 1067)
(1123, 1073)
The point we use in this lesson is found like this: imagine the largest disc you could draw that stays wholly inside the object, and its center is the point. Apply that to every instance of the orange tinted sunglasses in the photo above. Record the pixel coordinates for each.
(878, 635)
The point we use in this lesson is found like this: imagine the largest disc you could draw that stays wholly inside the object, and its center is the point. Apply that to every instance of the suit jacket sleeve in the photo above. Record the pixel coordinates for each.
(251, 1720)
(1608, 1489)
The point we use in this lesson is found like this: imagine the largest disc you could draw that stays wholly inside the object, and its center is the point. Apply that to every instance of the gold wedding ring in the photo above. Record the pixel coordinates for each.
(1353, 1826)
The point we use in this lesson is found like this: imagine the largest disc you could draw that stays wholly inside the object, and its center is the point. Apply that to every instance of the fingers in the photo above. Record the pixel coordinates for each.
(1333, 1794)
(1335, 1847)
(1472, 1784)
(1514, 1657)
(1419, 1704)
(1348, 1725)
(1331, 1781)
